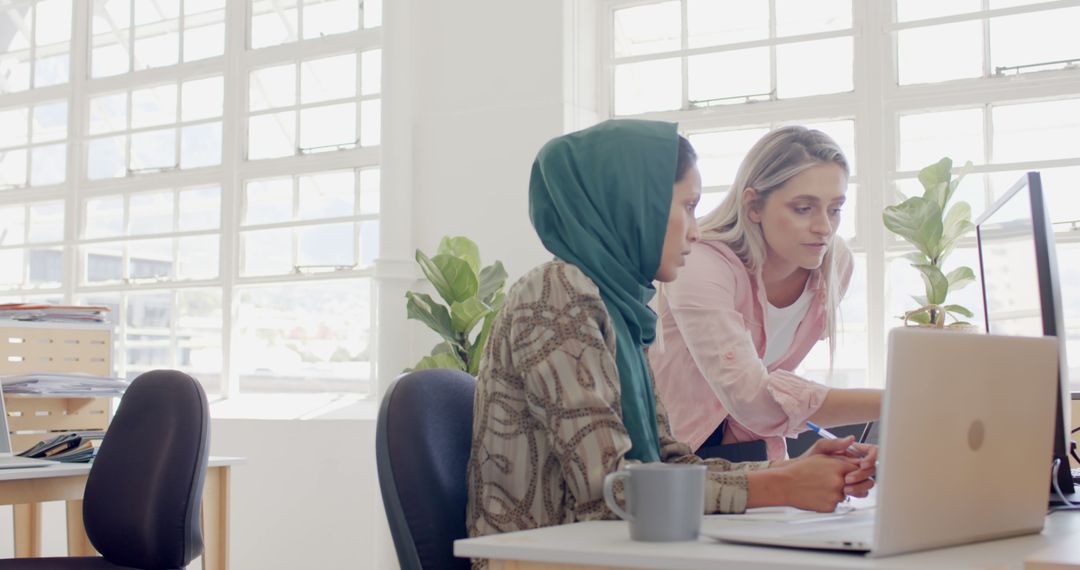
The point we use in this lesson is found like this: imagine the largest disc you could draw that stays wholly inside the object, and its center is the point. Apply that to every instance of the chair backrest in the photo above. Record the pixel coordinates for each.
(141, 507)
(422, 443)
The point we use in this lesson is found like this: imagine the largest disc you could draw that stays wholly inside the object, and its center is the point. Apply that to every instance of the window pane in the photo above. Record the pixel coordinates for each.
(13, 127)
(103, 262)
(106, 158)
(328, 78)
(1037, 131)
(370, 122)
(329, 245)
(925, 138)
(324, 127)
(150, 259)
(794, 17)
(110, 55)
(907, 10)
(151, 213)
(12, 267)
(149, 311)
(200, 208)
(45, 266)
(1060, 187)
(266, 252)
(198, 257)
(13, 168)
(104, 217)
(153, 149)
(157, 46)
(272, 135)
(732, 74)
(203, 98)
(200, 145)
(709, 201)
(327, 17)
(329, 337)
(849, 213)
(720, 153)
(648, 86)
(272, 87)
(12, 225)
(921, 59)
(713, 23)
(53, 66)
(46, 222)
(371, 72)
(268, 201)
(108, 113)
(48, 164)
(972, 190)
(1040, 37)
(369, 190)
(327, 195)
(204, 35)
(273, 22)
(814, 68)
(652, 28)
(153, 106)
(372, 10)
(53, 22)
(50, 122)
(16, 69)
(199, 321)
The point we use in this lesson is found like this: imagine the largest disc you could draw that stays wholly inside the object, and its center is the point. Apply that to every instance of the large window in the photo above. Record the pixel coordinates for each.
(209, 170)
(898, 85)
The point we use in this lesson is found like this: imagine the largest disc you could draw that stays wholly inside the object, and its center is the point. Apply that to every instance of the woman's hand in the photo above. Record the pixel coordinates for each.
(858, 482)
(812, 482)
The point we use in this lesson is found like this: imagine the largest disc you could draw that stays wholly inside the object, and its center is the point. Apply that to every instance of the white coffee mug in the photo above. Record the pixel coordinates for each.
(664, 501)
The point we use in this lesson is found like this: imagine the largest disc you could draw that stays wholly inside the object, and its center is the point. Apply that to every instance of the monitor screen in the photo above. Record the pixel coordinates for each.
(1021, 296)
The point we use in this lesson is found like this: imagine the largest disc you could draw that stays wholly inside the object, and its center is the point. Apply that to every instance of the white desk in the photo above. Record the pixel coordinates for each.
(27, 488)
(607, 544)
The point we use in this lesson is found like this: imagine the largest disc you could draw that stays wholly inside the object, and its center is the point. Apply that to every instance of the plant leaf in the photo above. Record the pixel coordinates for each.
(466, 314)
(918, 221)
(960, 310)
(937, 285)
(957, 223)
(441, 360)
(921, 300)
(476, 351)
(955, 183)
(443, 347)
(960, 277)
(935, 181)
(424, 309)
(916, 258)
(462, 248)
(492, 279)
(452, 277)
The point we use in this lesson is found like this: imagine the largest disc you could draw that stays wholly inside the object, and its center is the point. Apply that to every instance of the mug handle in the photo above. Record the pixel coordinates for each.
(609, 495)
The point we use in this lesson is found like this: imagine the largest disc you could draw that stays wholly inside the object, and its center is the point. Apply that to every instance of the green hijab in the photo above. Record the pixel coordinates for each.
(599, 199)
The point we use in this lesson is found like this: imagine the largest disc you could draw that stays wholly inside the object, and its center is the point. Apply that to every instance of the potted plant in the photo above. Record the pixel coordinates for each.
(929, 223)
(472, 295)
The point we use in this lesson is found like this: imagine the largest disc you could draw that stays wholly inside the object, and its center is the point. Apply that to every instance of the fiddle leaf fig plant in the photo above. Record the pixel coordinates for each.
(472, 296)
(929, 223)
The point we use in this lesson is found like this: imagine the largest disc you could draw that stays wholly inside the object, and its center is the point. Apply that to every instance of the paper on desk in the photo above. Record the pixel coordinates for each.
(783, 514)
(67, 384)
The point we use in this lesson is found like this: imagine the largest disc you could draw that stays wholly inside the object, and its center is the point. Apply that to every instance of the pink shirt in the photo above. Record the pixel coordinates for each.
(710, 343)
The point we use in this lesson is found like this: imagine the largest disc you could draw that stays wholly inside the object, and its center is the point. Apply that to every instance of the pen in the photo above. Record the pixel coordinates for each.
(851, 450)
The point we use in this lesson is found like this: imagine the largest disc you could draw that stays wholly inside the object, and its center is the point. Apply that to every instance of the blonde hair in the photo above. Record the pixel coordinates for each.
(772, 161)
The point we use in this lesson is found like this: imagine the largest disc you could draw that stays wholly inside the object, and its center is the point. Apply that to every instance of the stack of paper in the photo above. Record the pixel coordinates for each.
(63, 384)
(73, 447)
(53, 313)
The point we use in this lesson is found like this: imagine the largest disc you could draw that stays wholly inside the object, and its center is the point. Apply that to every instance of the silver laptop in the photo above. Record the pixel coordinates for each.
(7, 460)
(965, 449)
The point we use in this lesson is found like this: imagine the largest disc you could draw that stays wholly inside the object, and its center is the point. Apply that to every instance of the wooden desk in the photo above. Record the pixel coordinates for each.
(27, 488)
(607, 545)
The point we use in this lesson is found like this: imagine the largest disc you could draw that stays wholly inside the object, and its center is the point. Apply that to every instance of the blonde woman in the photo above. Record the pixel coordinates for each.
(759, 289)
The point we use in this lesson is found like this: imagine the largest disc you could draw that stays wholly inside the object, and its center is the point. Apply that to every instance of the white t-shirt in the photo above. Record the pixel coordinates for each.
(780, 326)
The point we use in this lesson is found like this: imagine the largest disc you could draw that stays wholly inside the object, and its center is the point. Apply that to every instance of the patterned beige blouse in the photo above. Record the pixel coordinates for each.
(547, 427)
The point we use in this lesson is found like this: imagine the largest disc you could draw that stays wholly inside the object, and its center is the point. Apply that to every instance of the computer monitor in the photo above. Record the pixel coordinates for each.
(1020, 290)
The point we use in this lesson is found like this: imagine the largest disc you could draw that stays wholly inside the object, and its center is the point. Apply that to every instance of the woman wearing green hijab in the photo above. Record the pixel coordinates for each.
(564, 394)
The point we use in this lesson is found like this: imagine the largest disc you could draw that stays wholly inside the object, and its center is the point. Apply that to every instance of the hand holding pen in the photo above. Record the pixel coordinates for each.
(851, 450)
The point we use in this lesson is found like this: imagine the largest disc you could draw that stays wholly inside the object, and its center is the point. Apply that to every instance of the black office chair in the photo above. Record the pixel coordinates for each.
(422, 442)
(141, 507)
